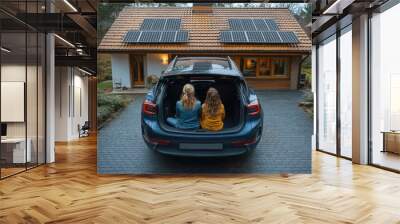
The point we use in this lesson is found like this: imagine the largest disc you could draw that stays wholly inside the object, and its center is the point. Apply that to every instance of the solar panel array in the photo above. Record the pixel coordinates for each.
(138, 36)
(259, 31)
(154, 30)
(253, 24)
(262, 37)
(161, 24)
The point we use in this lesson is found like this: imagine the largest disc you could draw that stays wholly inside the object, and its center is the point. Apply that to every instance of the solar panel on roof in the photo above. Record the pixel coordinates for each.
(147, 24)
(271, 37)
(150, 37)
(255, 37)
(288, 37)
(154, 30)
(168, 37)
(173, 24)
(258, 37)
(182, 36)
(271, 24)
(239, 37)
(235, 24)
(256, 31)
(260, 24)
(159, 24)
(146, 36)
(131, 36)
(248, 25)
(253, 24)
(226, 37)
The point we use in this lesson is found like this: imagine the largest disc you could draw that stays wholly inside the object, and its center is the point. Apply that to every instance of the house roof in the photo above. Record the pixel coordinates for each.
(204, 30)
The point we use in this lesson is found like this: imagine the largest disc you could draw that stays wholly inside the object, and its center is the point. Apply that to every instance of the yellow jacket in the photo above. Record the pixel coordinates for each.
(212, 123)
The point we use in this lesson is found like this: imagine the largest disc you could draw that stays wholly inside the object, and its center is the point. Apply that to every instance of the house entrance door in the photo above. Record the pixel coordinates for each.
(136, 67)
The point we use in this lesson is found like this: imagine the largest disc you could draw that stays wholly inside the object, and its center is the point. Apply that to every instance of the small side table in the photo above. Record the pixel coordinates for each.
(391, 141)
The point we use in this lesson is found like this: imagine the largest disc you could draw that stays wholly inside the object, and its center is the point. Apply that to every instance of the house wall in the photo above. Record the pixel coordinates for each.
(27, 75)
(278, 83)
(155, 64)
(294, 72)
(71, 102)
(121, 69)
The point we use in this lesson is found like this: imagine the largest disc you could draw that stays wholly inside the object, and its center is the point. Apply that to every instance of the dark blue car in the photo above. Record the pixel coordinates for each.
(243, 123)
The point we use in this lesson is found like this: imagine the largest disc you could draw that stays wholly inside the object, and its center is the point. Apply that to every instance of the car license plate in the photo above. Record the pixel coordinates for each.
(201, 146)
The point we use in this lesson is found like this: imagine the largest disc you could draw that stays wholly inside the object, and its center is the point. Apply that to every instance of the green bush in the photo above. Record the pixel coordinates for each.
(104, 67)
(103, 113)
(308, 102)
(104, 85)
(108, 104)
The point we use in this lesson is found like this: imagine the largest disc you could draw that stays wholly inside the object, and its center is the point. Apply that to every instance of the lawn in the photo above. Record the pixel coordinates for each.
(104, 86)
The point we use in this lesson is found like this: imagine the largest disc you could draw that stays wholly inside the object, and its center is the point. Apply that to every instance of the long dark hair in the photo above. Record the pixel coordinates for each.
(212, 102)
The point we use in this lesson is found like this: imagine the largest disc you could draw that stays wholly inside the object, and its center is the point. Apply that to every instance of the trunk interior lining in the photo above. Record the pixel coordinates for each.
(229, 92)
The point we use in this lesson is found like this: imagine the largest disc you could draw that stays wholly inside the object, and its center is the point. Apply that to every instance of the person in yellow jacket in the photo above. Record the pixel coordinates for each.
(212, 111)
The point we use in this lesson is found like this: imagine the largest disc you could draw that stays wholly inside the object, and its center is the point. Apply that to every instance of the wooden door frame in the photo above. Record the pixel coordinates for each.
(133, 61)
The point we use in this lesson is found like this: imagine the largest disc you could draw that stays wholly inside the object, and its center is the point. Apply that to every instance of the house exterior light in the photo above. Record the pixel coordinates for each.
(164, 59)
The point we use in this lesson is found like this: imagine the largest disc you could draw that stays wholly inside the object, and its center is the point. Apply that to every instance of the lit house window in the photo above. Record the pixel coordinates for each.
(265, 67)
(280, 66)
(249, 66)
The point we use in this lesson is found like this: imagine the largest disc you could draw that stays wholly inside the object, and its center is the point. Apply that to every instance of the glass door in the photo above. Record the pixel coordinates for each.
(14, 144)
(385, 89)
(346, 92)
(22, 95)
(327, 95)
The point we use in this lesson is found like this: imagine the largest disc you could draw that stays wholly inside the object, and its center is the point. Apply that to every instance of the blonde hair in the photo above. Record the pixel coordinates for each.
(188, 99)
(212, 102)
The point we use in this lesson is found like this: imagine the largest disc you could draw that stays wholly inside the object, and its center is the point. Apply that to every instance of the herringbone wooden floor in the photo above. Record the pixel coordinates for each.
(70, 191)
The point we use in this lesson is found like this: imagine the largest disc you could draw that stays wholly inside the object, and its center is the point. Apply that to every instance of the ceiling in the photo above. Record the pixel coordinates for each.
(74, 21)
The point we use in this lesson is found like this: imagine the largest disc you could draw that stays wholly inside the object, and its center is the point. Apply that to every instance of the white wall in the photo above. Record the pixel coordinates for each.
(70, 84)
(61, 103)
(79, 117)
(154, 65)
(120, 69)
(50, 93)
(360, 90)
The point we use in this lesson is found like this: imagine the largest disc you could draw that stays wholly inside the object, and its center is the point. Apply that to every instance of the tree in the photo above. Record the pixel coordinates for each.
(106, 15)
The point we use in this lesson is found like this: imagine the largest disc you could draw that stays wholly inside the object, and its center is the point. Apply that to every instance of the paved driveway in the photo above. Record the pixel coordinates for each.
(284, 147)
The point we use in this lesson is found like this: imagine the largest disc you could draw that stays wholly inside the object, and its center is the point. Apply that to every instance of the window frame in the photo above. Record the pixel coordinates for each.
(271, 59)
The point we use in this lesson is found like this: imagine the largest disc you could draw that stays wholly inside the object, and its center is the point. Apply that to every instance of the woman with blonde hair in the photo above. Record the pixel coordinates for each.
(187, 110)
(213, 111)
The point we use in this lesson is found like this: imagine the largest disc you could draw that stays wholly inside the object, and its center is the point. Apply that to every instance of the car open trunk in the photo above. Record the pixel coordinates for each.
(228, 88)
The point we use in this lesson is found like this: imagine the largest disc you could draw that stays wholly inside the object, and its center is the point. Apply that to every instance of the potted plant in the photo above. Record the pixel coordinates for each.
(151, 80)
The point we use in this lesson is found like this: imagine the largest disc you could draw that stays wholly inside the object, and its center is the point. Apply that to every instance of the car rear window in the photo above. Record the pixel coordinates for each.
(200, 64)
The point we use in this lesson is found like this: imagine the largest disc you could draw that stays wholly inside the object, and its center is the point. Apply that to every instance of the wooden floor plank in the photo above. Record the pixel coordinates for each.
(70, 191)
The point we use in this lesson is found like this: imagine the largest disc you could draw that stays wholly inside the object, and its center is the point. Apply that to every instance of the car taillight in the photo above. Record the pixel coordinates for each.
(157, 141)
(245, 142)
(149, 107)
(253, 108)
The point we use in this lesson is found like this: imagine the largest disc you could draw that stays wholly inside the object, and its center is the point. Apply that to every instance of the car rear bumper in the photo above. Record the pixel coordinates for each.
(169, 143)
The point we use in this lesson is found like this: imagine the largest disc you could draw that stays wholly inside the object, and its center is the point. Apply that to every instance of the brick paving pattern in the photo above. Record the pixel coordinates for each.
(285, 146)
